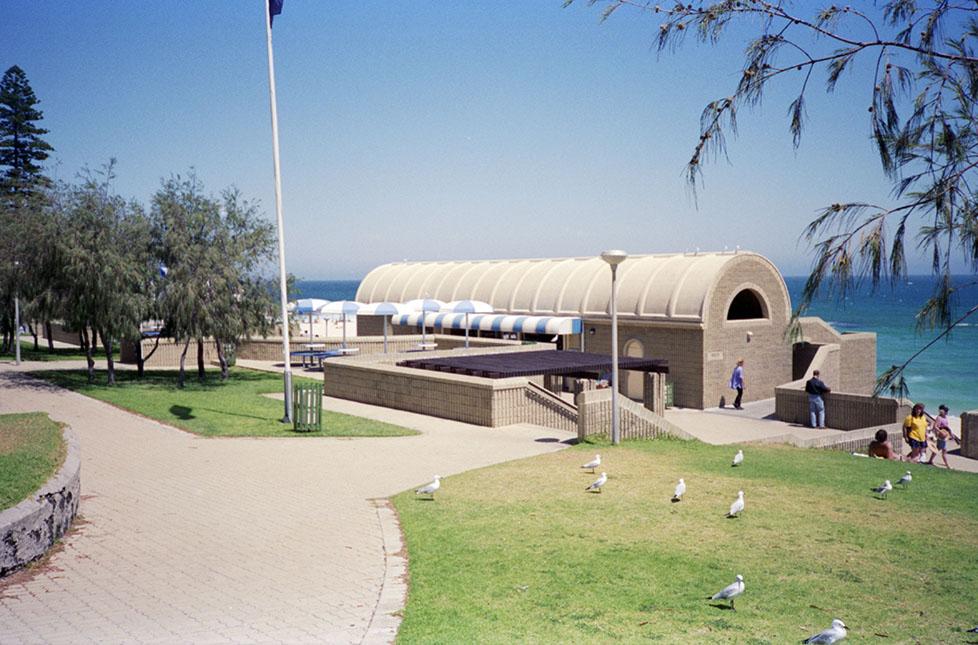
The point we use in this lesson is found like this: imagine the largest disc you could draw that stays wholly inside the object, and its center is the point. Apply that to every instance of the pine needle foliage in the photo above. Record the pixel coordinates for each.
(921, 118)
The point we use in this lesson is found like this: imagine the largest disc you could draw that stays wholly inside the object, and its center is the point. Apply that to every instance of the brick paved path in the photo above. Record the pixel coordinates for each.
(185, 539)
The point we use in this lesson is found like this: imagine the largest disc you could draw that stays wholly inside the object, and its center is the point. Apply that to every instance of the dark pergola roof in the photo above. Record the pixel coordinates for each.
(565, 363)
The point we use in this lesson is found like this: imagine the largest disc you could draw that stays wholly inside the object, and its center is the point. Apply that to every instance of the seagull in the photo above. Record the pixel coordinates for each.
(430, 488)
(906, 479)
(884, 488)
(738, 506)
(731, 591)
(598, 483)
(833, 634)
(680, 491)
(594, 463)
(738, 458)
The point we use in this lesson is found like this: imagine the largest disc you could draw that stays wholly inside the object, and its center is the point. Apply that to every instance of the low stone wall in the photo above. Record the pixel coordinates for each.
(635, 421)
(30, 528)
(168, 352)
(852, 441)
(969, 434)
(377, 380)
(59, 333)
(843, 411)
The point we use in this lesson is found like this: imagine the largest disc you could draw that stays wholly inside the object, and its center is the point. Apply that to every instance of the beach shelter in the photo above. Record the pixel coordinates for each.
(424, 305)
(468, 307)
(346, 308)
(385, 309)
(308, 307)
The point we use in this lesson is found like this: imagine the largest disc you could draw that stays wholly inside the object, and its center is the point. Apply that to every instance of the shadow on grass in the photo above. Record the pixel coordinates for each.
(182, 412)
(717, 605)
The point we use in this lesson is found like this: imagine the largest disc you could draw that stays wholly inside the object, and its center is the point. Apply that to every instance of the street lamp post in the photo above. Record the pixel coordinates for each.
(17, 317)
(614, 258)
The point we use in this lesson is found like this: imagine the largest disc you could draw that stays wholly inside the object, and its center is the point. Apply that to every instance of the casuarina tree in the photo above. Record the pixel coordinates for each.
(213, 251)
(922, 93)
(105, 247)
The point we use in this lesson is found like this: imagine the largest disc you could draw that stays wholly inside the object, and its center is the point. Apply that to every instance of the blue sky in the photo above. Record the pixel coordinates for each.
(438, 130)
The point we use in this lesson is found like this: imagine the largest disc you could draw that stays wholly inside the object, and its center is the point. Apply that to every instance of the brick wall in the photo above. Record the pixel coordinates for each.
(857, 357)
(969, 434)
(843, 411)
(375, 379)
(167, 354)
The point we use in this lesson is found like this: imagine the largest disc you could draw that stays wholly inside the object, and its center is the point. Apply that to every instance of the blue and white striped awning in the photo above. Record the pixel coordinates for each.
(494, 322)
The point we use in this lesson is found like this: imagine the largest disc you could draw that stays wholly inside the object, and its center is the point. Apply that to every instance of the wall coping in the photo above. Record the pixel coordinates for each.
(30, 528)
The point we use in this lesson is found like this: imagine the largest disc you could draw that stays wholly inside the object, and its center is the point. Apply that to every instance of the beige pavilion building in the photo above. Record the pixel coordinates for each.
(700, 312)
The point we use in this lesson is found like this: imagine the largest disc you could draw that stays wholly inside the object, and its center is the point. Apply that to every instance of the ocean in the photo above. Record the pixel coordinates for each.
(945, 373)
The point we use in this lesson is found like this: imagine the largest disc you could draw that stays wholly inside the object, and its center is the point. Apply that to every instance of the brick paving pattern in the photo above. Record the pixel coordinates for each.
(184, 539)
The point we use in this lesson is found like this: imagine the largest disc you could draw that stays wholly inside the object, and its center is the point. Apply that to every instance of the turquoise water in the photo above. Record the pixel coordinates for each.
(946, 373)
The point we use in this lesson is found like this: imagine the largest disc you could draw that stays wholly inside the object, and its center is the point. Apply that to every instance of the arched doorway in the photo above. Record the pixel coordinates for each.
(633, 380)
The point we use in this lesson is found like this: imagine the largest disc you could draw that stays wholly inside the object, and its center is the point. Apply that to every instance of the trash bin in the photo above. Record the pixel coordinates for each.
(307, 407)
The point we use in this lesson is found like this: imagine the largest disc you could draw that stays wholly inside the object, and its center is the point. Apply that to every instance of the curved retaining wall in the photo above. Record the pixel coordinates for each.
(29, 529)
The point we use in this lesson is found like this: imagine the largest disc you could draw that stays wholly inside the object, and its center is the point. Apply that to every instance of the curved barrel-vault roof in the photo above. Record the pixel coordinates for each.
(650, 287)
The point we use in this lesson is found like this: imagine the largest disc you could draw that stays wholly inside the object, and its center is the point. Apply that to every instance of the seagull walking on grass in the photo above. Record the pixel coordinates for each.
(738, 505)
(731, 591)
(680, 491)
(906, 479)
(598, 483)
(594, 463)
(833, 634)
(883, 489)
(738, 458)
(430, 488)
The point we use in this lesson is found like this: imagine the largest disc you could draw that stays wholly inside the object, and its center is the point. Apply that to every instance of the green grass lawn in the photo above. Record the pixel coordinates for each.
(236, 408)
(31, 450)
(520, 553)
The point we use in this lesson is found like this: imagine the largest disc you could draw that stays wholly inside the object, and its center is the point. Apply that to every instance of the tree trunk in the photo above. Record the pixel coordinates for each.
(107, 344)
(33, 329)
(183, 360)
(222, 359)
(84, 338)
(200, 360)
(142, 359)
(5, 344)
(89, 351)
(49, 333)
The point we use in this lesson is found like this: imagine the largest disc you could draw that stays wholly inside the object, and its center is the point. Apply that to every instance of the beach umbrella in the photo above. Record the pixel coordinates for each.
(424, 305)
(468, 307)
(308, 306)
(385, 309)
(345, 307)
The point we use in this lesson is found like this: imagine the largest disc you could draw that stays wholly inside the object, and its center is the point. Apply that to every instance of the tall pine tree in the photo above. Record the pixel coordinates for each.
(21, 146)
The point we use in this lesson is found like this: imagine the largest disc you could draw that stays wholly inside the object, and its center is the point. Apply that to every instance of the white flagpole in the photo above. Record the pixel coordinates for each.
(278, 215)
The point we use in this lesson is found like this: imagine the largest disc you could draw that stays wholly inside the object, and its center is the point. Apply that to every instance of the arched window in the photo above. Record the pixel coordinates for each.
(747, 305)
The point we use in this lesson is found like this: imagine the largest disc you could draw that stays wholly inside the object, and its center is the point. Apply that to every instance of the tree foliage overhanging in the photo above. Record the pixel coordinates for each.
(82, 254)
(921, 108)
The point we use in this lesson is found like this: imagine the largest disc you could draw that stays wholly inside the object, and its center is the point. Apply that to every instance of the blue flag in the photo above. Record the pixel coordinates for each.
(274, 9)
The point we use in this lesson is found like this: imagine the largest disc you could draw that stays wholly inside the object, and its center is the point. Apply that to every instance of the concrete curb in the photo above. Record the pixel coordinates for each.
(30, 528)
(386, 618)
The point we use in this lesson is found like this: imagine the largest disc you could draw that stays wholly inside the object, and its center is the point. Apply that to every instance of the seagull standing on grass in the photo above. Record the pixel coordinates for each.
(738, 458)
(833, 634)
(738, 505)
(594, 463)
(680, 491)
(731, 591)
(906, 479)
(883, 489)
(430, 488)
(598, 483)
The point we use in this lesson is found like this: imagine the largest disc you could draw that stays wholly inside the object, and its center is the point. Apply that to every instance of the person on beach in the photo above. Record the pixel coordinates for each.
(881, 447)
(816, 389)
(942, 432)
(737, 382)
(915, 432)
